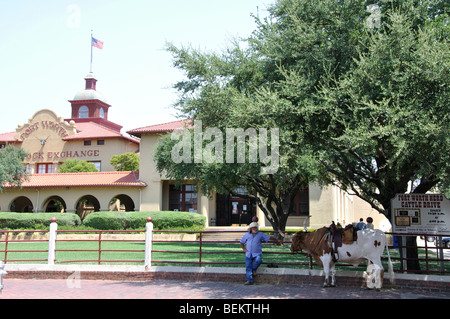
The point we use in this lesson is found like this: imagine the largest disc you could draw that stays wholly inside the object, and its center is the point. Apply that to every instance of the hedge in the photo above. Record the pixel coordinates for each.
(137, 220)
(36, 220)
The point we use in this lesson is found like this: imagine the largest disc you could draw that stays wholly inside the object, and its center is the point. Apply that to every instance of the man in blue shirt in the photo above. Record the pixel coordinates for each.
(361, 225)
(253, 250)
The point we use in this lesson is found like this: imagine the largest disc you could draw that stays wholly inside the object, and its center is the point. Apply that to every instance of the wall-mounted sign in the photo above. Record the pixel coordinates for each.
(46, 122)
(52, 156)
(421, 214)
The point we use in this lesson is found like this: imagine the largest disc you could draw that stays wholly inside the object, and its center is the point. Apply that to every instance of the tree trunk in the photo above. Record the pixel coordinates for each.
(277, 218)
(412, 253)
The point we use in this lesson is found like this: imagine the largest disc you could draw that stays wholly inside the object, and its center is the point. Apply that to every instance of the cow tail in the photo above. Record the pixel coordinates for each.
(390, 266)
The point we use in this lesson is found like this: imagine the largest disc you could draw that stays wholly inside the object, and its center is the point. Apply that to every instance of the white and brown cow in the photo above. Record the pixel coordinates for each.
(370, 245)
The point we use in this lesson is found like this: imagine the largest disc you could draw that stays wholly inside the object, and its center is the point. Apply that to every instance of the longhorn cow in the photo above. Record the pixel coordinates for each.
(370, 245)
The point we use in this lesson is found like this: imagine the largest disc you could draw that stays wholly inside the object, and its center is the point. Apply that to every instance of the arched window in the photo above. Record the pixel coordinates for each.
(83, 112)
(102, 113)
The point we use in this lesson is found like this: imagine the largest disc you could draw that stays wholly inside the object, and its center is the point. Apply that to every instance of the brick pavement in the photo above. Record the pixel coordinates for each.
(77, 288)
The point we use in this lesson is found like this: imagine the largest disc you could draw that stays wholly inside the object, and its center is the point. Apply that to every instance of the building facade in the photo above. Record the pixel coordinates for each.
(88, 135)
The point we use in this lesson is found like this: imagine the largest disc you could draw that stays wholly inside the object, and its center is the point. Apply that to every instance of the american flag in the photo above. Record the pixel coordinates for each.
(97, 43)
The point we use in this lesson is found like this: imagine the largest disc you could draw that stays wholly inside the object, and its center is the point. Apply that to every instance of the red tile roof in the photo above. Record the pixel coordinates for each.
(96, 179)
(91, 130)
(161, 128)
(8, 137)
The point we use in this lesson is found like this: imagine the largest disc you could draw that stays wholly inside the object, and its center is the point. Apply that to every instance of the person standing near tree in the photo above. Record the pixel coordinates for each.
(251, 245)
(361, 225)
(369, 221)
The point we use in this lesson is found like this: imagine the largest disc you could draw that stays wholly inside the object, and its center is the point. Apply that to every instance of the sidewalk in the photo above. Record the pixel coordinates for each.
(41, 281)
(77, 288)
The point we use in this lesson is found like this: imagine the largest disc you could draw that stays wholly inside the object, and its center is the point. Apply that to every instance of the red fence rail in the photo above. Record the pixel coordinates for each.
(9, 237)
(99, 240)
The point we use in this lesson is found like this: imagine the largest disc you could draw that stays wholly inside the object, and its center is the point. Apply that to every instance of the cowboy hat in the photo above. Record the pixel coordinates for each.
(254, 224)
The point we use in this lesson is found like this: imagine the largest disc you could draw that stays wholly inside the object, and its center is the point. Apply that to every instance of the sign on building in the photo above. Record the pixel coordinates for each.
(421, 214)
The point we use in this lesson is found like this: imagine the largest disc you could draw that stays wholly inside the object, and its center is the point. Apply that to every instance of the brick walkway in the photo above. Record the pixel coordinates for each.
(77, 288)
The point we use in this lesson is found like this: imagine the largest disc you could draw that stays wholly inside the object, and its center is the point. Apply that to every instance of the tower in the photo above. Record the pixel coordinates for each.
(89, 105)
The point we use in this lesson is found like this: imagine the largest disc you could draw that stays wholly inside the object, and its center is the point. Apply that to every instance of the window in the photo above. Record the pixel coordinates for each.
(46, 168)
(102, 113)
(87, 143)
(98, 165)
(100, 142)
(183, 198)
(28, 169)
(301, 203)
(83, 112)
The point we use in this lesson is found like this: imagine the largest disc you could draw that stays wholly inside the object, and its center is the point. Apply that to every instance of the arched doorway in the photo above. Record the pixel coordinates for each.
(86, 205)
(122, 203)
(55, 204)
(21, 204)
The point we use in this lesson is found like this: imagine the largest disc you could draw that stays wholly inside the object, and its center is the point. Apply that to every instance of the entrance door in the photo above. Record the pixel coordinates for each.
(234, 210)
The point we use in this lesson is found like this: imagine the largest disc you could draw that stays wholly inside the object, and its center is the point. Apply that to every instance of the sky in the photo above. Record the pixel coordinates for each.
(45, 53)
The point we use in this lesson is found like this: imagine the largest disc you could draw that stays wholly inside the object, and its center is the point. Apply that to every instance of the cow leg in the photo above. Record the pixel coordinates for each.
(375, 273)
(326, 261)
(333, 274)
(326, 270)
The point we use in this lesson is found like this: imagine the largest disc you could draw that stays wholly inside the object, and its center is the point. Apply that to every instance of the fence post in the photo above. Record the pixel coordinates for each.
(52, 241)
(148, 243)
(2, 273)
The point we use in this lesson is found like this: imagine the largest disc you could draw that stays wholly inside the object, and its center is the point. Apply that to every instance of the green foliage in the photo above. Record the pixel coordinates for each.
(36, 220)
(11, 167)
(137, 220)
(359, 104)
(125, 162)
(76, 166)
(382, 122)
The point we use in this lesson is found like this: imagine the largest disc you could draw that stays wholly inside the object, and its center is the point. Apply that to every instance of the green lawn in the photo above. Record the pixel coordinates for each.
(186, 254)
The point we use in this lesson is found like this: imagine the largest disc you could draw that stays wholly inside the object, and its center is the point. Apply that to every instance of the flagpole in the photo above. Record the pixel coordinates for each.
(91, 52)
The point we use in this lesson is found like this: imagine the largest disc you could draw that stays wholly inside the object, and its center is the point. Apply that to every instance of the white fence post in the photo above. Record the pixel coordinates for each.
(148, 243)
(52, 241)
(2, 273)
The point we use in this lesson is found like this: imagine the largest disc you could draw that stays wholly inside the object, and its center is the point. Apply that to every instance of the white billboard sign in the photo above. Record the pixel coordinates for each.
(421, 214)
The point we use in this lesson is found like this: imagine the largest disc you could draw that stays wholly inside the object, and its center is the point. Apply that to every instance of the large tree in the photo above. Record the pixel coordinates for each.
(360, 87)
(370, 85)
(273, 174)
(12, 170)
(376, 113)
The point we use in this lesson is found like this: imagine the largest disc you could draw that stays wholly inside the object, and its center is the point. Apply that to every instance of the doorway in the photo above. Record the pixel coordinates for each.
(234, 210)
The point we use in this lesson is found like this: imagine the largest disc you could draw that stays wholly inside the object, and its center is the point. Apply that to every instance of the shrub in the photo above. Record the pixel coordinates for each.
(137, 220)
(36, 220)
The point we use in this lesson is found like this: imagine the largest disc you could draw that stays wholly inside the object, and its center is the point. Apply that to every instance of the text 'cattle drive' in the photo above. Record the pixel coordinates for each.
(329, 245)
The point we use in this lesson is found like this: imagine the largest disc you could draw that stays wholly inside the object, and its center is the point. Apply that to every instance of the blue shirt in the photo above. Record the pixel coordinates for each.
(361, 226)
(253, 243)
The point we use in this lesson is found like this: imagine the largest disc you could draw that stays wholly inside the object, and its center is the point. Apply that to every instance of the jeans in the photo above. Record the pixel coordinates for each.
(251, 265)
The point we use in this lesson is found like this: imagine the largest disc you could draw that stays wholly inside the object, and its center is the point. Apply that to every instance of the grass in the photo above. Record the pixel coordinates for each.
(176, 254)
(185, 254)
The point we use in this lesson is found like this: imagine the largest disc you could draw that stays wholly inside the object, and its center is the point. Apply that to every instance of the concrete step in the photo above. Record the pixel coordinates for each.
(224, 233)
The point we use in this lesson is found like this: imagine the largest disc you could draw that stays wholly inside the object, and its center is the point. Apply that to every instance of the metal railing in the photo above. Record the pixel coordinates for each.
(99, 246)
(100, 242)
(9, 237)
(440, 264)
